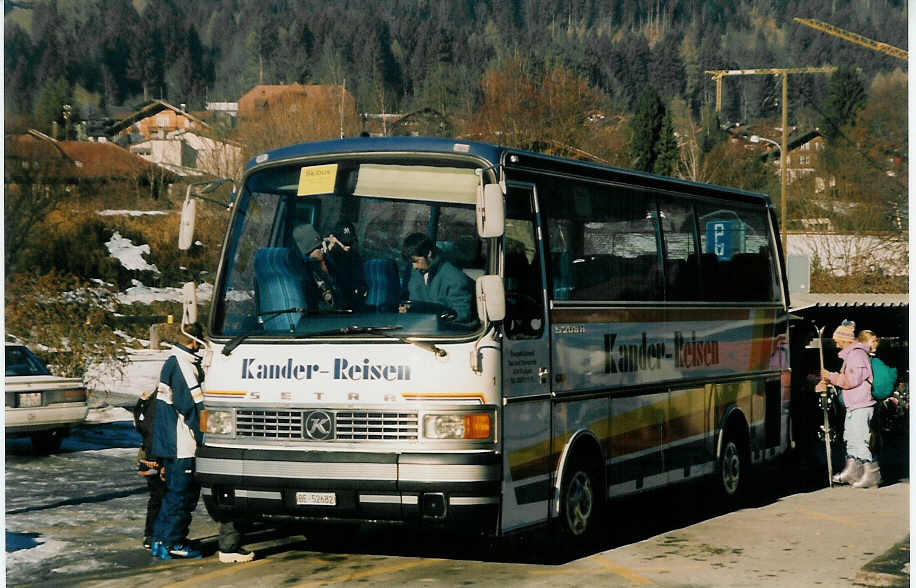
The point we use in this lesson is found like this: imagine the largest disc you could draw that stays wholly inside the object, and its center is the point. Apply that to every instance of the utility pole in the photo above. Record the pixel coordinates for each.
(783, 73)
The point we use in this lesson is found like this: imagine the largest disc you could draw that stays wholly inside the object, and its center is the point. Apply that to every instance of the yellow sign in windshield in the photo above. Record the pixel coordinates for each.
(317, 179)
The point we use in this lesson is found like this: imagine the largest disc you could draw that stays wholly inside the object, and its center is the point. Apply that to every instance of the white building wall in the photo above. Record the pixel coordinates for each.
(844, 254)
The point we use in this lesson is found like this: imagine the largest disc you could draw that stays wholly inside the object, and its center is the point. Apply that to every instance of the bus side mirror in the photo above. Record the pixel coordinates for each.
(491, 211)
(491, 298)
(189, 303)
(186, 226)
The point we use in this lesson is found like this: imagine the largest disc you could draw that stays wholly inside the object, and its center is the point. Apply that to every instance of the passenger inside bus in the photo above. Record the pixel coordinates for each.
(437, 281)
(346, 266)
(321, 290)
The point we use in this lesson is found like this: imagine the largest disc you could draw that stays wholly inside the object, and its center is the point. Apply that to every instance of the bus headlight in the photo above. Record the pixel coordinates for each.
(476, 425)
(217, 422)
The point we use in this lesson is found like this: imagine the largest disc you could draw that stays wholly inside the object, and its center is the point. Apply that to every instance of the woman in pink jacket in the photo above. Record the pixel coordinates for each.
(854, 379)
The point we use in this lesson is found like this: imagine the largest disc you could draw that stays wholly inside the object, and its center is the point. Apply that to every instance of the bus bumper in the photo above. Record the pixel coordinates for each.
(451, 489)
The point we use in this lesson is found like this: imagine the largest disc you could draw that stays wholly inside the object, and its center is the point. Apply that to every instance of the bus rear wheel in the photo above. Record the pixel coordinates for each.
(733, 470)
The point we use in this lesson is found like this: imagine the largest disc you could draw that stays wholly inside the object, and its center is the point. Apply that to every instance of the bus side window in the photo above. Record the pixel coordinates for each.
(609, 247)
(736, 240)
(682, 269)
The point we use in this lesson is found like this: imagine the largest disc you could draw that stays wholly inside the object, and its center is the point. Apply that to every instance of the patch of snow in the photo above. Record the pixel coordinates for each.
(44, 548)
(130, 255)
(109, 414)
(130, 212)
(85, 565)
(149, 294)
(141, 374)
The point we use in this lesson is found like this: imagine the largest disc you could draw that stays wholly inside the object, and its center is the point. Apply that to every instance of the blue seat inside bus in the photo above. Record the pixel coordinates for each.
(383, 285)
(279, 284)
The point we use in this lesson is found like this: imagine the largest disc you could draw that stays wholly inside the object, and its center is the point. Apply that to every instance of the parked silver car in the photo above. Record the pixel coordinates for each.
(38, 404)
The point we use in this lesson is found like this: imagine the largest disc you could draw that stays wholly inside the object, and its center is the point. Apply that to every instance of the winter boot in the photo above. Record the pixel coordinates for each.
(183, 550)
(159, 550)
(872, 476)
(850, 474)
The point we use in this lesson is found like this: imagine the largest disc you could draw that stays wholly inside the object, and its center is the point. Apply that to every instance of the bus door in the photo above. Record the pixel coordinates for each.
(525, 366)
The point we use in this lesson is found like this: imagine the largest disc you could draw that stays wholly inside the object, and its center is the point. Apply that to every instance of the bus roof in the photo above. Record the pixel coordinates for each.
(485, 151)
(495, 155)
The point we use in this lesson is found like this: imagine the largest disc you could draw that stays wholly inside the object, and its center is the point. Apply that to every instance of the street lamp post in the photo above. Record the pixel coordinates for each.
(782, 185)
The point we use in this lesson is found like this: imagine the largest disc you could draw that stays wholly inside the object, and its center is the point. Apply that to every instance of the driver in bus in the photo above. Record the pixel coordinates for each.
(433, 279)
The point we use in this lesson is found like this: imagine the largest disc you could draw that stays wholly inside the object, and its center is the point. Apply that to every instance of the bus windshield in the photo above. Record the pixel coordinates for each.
(355, 246)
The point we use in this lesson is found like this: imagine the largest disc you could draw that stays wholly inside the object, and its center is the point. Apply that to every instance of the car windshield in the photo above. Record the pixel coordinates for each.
(21, 362)
(351, 245)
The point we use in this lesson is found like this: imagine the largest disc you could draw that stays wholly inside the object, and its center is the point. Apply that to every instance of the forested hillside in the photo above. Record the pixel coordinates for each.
(402, 55)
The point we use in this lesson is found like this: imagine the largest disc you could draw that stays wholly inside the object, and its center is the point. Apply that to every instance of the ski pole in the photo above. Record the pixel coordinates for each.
(825, 400)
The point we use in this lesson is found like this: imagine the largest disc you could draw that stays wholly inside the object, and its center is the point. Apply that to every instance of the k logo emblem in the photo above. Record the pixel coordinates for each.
(318, 426)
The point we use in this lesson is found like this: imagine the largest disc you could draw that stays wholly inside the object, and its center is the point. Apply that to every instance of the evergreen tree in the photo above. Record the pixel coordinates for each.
(49, 105)
(845, 97)
(653, 147)
(18, 75)
(666, 147)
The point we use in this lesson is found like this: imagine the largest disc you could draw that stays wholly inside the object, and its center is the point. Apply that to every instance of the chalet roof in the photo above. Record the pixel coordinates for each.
(263, 95)
(76, 160)
(795, 141)
(269, 91)
(106, 160)
(148, 109)
(34, 146)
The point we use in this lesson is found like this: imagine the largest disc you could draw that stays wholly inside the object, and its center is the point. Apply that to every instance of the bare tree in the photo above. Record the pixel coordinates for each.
(35, 177)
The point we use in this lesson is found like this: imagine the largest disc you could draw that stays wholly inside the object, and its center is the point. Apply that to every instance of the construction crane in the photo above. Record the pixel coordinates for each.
(853, 38)
(718, 74)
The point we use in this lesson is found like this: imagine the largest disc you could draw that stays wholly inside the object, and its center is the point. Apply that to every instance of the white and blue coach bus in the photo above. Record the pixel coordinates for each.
(629, 331)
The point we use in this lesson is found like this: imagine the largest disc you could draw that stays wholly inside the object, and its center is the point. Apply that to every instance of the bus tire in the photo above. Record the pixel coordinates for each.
(581, 504)
(733, 467)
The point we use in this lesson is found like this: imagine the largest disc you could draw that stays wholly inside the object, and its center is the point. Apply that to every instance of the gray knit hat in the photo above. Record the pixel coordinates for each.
(307, 239)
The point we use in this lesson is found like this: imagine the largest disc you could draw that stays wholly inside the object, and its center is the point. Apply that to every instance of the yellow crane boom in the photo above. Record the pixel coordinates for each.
(853, 37)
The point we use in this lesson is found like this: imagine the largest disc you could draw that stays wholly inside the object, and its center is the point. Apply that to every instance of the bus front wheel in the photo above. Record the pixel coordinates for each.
(580, 503)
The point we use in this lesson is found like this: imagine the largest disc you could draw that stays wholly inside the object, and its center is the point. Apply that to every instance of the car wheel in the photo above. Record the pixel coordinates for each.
(45, 442)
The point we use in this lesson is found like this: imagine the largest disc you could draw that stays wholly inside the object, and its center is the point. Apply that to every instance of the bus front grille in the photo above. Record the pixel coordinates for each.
(376, 426)
(269, 424)
(357, 426)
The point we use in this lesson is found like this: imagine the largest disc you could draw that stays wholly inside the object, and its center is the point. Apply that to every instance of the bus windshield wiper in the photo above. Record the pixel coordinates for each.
(384, 331)
(235, 341)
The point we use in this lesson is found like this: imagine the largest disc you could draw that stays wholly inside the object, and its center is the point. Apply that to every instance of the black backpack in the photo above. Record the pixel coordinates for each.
(144, 416)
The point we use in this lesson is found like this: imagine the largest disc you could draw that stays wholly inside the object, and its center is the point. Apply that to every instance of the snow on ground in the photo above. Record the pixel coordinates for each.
(130, 255)
(148, 294)
(131, 212)
(108, 414)
(140, 374)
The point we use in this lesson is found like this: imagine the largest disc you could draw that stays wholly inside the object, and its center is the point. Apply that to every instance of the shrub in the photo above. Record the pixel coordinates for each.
(66, 320)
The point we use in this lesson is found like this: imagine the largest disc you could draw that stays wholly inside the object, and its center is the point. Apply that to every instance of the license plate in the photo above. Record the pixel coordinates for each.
(30, 399)
(316, 499)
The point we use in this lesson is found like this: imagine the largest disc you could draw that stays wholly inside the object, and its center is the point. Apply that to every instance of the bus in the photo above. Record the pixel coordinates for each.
(564, 334)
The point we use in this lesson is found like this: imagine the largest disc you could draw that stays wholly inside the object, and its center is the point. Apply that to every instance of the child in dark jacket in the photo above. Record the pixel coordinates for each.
(148, 466)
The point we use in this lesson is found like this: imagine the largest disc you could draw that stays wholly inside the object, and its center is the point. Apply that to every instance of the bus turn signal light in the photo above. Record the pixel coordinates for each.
(477, 426)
